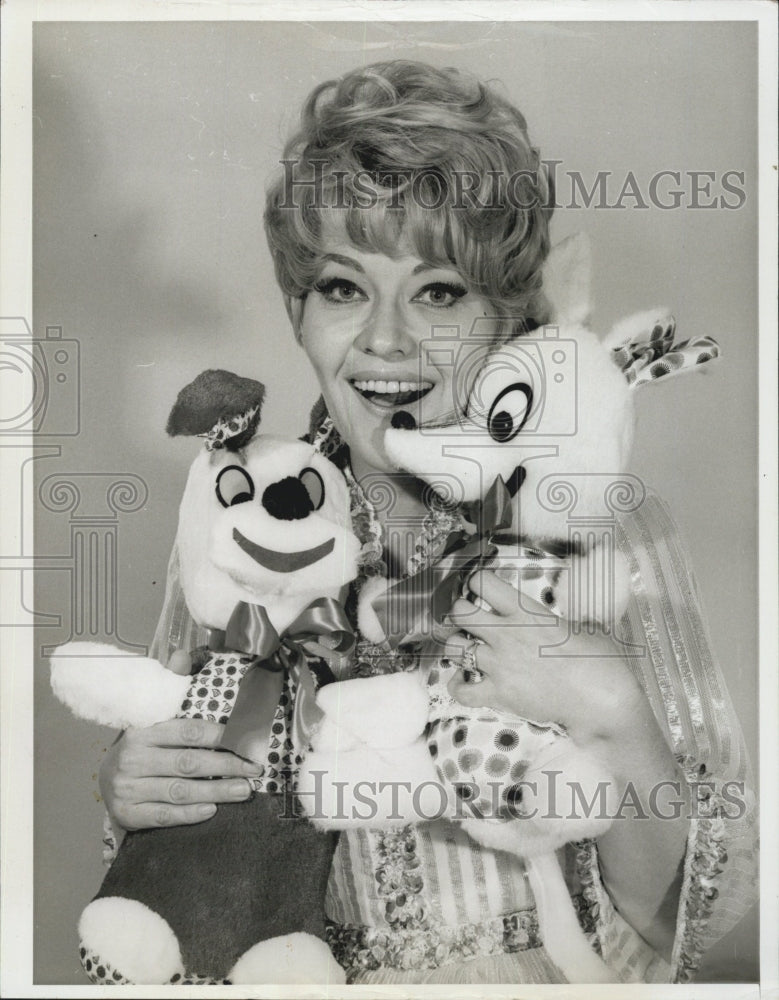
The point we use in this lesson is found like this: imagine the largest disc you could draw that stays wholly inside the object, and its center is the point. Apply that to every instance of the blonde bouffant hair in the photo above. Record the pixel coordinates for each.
(403, 150)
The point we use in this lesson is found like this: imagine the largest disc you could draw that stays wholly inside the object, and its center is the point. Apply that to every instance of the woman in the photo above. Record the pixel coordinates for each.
(411, 198)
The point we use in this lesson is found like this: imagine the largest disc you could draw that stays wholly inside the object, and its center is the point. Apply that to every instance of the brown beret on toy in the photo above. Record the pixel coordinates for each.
(265, 547)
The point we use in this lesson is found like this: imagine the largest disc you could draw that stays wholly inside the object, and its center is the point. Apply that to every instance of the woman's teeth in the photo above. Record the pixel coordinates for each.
(390, 392)
(379, 385)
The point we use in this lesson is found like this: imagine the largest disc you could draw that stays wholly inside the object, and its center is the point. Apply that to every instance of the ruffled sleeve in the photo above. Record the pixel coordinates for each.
(175, 629)
(670, 654)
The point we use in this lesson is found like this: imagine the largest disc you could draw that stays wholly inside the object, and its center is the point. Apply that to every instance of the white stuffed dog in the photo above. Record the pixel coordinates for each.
(265, 547)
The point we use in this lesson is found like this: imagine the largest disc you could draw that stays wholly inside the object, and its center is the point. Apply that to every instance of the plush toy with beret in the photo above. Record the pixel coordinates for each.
(514, 447)
(265, 547)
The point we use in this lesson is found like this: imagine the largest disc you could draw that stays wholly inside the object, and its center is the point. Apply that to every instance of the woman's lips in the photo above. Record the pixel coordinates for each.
(388, 393)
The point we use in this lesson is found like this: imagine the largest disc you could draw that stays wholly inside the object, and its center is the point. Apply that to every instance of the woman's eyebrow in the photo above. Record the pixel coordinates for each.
(338, 258)
(434, 267)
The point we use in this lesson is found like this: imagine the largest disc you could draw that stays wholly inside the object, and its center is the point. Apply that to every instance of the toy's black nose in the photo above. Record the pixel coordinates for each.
(402, 420)
(287, 500)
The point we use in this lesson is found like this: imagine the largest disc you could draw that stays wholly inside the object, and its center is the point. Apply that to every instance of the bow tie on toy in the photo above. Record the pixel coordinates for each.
(321, 628)
(320, 631)
(413, 609)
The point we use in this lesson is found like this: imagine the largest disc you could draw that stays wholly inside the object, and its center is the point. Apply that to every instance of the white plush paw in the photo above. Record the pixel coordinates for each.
(132, 939)
(103, 684)
(596, 589)
(369, 788)
(293, 958)
(383, 712)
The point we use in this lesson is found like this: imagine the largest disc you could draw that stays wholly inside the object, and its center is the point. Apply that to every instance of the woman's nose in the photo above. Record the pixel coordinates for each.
(386, 333)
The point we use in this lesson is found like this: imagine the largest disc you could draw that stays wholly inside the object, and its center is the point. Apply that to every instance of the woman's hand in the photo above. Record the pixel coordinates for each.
(154, 776)
(590, 690)
(588, 687)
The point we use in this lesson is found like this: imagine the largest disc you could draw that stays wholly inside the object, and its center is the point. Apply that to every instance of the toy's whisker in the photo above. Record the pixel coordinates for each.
(453, 419)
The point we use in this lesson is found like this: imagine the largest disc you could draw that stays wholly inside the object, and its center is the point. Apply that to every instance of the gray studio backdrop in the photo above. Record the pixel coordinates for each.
(152, 144)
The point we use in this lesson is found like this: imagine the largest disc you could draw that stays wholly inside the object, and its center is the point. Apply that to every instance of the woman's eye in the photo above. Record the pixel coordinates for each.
(340, 291)
(441, 294)
(234, 485)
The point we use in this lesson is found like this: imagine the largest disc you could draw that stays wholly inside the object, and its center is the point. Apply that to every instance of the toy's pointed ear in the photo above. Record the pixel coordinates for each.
(567, 278)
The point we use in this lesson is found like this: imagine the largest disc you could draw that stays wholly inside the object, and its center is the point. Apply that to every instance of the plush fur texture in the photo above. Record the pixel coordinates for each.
(563, 937)
(360, 708)
(367, 619)
(300, 959)
(226, 884)
(350, 789)
(216, 572)
(139, 942)
(102, 684)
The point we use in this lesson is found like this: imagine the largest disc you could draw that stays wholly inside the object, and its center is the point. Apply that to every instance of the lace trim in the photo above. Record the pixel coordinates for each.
(595, 918)
(704, 864)
(359, 949)
(440, 520)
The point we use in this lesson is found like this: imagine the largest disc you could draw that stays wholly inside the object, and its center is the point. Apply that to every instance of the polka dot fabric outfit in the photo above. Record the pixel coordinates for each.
(481, 755)
(212, 694)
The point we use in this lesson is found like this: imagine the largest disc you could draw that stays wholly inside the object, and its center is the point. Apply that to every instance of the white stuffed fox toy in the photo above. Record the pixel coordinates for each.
(492, 771)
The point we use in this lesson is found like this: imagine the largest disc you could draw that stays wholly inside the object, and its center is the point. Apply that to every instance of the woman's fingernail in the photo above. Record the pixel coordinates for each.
(253, 769)
(239, 789)
(206, 809)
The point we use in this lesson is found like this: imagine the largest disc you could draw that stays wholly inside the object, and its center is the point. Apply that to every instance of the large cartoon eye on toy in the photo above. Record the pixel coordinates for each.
(314, 485)
(503, 395)
(234, 485)
(509, 412)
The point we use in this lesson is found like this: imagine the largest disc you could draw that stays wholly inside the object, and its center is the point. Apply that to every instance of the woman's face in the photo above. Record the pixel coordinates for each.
(365, 327)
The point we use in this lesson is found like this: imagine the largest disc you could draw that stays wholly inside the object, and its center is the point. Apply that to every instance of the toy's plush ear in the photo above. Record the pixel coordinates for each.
(219, 406)
(567, 278)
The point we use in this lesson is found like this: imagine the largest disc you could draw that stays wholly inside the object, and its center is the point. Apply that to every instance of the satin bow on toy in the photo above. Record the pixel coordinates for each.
(413, 609)
(249, 630)
(321, 629)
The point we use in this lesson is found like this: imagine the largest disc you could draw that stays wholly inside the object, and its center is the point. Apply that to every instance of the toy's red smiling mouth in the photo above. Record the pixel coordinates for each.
(283, 562)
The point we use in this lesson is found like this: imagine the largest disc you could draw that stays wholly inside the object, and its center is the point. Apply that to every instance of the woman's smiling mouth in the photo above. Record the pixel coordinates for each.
(387, 393)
